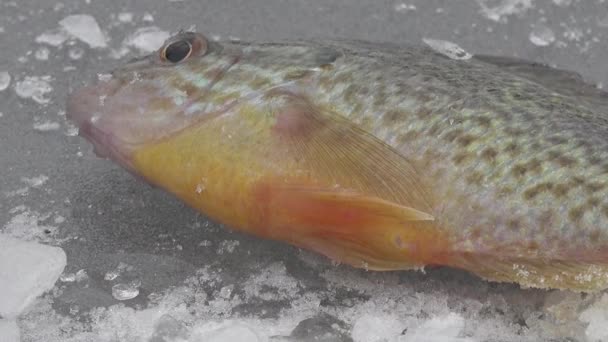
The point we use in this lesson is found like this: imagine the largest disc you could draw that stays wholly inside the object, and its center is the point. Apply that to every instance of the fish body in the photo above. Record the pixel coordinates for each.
(377, 155)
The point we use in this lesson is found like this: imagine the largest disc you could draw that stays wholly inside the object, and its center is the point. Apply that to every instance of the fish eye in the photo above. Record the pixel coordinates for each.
(176, 51)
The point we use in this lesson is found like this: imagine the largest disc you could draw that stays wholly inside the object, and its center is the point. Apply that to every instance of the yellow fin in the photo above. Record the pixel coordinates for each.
(536, 273)
(360, 230)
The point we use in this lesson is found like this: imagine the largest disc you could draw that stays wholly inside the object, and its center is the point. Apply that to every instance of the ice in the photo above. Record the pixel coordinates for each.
(403, 7)
(439, 329)
(124, 291)
(46, 126)
(5, 80)
(54, 37)
(42, 53)
(27, 225)
(35, 88)
(562, 3)
(147, 17)
(542, 35)
(597, 318)
(125, 17)
(147, 39)
(227, 246)
(75, 53)
(497, 9)
(27, 270)
(85, 28)
(448, 49)
(227, 331)
(35, 182)
(9, 331)
(376, 328)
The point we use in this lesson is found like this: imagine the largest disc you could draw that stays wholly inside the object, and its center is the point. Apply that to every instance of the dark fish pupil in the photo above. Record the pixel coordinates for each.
(177, 51)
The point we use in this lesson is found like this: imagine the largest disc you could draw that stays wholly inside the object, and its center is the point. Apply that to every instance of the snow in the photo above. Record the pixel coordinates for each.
(31, 225)
(35, 88)
(85, 28)
(9, 331)
(448, 49)
(227, 331)
(597, 318)
(376, 328)
(147, 39)
(27, 270)
(439, 329)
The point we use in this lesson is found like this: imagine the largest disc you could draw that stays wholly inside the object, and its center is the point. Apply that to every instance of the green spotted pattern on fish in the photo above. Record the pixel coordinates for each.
(510, 167)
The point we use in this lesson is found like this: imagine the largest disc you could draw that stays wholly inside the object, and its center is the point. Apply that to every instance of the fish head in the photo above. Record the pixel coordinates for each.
(150, 98)
(188, 80)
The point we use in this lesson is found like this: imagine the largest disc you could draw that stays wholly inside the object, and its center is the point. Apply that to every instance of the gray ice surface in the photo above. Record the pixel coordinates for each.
(191, 278)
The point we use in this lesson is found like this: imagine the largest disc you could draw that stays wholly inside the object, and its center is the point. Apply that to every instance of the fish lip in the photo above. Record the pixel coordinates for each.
(84, 113)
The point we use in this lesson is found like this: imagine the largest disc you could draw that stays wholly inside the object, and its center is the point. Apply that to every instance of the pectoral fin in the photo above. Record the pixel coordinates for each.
(354, 228)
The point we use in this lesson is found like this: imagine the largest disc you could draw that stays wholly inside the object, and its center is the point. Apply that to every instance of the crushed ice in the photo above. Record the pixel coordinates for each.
(497, 10)
(147, 39)
(85, 28)
(35, 88)
(541, 35)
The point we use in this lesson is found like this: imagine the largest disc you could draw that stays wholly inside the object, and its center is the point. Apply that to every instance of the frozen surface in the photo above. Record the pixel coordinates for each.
(143, 267)
(9, 331)
(27, 269)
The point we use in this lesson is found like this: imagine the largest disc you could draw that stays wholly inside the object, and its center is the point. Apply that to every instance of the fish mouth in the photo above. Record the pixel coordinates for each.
(85, 107)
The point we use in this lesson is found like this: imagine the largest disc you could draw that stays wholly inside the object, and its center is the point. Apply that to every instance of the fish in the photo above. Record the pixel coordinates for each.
(378, 155)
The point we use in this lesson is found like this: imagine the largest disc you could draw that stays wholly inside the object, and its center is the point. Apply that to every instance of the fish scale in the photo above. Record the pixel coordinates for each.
(379, 155)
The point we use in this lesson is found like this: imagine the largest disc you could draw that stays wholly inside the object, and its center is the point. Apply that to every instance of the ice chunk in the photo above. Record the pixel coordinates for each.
(27, 270)
(376, 328)
(25, 225)
(227, 331)
(439, 329)
(403, 7)
(9, 331)
(541, 35)
(5, 80)
(35, 88)
(85, 28)
(495, 10)
(447, 49)
(124, 291)
(125, 17)
(53, 37)
(42, 54)
(46, 126)
(597, 317)
(35, 182)
(147, 39)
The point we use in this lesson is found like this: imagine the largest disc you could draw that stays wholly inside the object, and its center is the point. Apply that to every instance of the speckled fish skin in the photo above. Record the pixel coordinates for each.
(513, 171)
